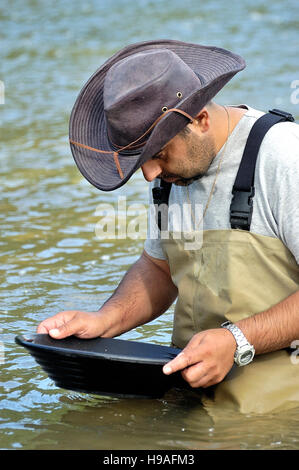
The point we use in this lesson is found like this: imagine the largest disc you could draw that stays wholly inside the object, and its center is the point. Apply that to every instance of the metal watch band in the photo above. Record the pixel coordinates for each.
(245, 351)
(240, 338)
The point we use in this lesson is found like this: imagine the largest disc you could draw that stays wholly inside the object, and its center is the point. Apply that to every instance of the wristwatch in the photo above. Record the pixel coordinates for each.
(245, 351)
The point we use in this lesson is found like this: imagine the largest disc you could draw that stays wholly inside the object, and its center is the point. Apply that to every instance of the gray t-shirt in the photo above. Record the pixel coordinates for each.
(276, 201)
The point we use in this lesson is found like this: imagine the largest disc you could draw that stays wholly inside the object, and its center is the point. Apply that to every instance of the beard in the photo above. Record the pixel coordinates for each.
(200, 154)
(178, 180)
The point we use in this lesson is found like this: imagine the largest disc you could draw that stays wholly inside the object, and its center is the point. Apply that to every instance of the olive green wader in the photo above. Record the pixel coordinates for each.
(236, 274)
(231, 275)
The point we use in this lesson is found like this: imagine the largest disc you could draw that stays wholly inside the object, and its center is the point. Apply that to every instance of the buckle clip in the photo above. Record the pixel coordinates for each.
(157, 195)
(284, 114)
(241, 209)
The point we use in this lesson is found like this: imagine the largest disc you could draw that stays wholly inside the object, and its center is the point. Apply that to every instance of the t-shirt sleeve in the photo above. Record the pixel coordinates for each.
(281, 170)
(152, 243)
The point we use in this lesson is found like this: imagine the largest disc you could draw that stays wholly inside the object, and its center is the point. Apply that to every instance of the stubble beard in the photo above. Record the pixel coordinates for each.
(200, 154)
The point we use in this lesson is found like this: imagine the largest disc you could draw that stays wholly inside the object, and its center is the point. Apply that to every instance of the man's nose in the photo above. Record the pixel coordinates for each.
(151, 169)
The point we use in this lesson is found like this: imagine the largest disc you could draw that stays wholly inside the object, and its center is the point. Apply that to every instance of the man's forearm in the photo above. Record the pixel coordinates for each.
(145, 292)
(203, 365)
(274, 328)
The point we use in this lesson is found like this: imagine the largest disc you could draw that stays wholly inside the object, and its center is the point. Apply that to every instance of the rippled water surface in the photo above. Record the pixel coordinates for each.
(51, 258)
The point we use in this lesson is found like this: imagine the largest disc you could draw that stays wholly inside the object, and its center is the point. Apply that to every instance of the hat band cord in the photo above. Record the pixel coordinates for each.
(133, 144)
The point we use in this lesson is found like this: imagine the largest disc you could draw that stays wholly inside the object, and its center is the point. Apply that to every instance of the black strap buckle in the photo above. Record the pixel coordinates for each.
(157, 195)
(241, 209)
(284, 114)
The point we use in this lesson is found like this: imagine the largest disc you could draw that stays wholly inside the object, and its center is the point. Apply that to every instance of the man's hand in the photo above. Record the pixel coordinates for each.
(207, 358)
(145, 292)
(73, 322)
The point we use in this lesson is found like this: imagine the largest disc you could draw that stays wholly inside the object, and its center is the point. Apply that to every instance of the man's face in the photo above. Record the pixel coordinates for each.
(183, 159)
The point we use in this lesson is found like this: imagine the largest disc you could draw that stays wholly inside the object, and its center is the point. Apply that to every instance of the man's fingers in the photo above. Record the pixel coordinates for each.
(181, 361)
(57, 333)
(196, 375)
(47, 325)
(61, 325)
(42, 329)
(70, 328)
(73, 322)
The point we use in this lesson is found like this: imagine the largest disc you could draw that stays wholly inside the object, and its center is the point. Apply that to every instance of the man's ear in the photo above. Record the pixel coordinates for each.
(202, 120)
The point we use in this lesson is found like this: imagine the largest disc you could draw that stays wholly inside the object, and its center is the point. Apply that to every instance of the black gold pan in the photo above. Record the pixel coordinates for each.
(105, 366)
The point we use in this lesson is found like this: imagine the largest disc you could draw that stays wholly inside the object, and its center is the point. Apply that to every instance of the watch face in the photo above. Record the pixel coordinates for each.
(246, 357)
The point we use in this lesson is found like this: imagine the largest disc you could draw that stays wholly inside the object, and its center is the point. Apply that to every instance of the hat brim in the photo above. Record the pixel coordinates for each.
(214, 65)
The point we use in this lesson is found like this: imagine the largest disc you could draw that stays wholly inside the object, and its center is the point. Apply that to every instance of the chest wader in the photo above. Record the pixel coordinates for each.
(233, 275)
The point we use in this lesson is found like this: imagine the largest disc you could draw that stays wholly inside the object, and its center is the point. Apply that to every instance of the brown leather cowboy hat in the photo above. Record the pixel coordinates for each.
(138, 100)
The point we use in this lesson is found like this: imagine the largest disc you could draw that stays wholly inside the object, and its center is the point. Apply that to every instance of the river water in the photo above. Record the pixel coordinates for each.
(51, 258)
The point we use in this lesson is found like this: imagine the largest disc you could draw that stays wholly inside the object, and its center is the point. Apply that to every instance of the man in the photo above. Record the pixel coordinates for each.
(150, 106)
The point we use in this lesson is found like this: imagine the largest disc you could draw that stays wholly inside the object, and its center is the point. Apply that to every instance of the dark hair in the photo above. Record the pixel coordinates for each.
(184, 132)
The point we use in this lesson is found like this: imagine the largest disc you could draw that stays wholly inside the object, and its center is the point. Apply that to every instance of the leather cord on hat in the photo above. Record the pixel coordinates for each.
(133, 144)
(115, 155)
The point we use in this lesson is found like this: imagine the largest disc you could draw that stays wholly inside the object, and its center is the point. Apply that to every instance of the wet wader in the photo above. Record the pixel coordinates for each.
(233, 275)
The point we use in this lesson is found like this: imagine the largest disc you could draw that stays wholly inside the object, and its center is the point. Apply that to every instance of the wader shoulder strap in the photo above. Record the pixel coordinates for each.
(160, 200)
(243, 190)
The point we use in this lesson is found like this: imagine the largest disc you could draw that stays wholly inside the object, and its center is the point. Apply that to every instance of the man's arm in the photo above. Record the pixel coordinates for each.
(278, 326)
(209, 355)
(145, 292)
(274, 328)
